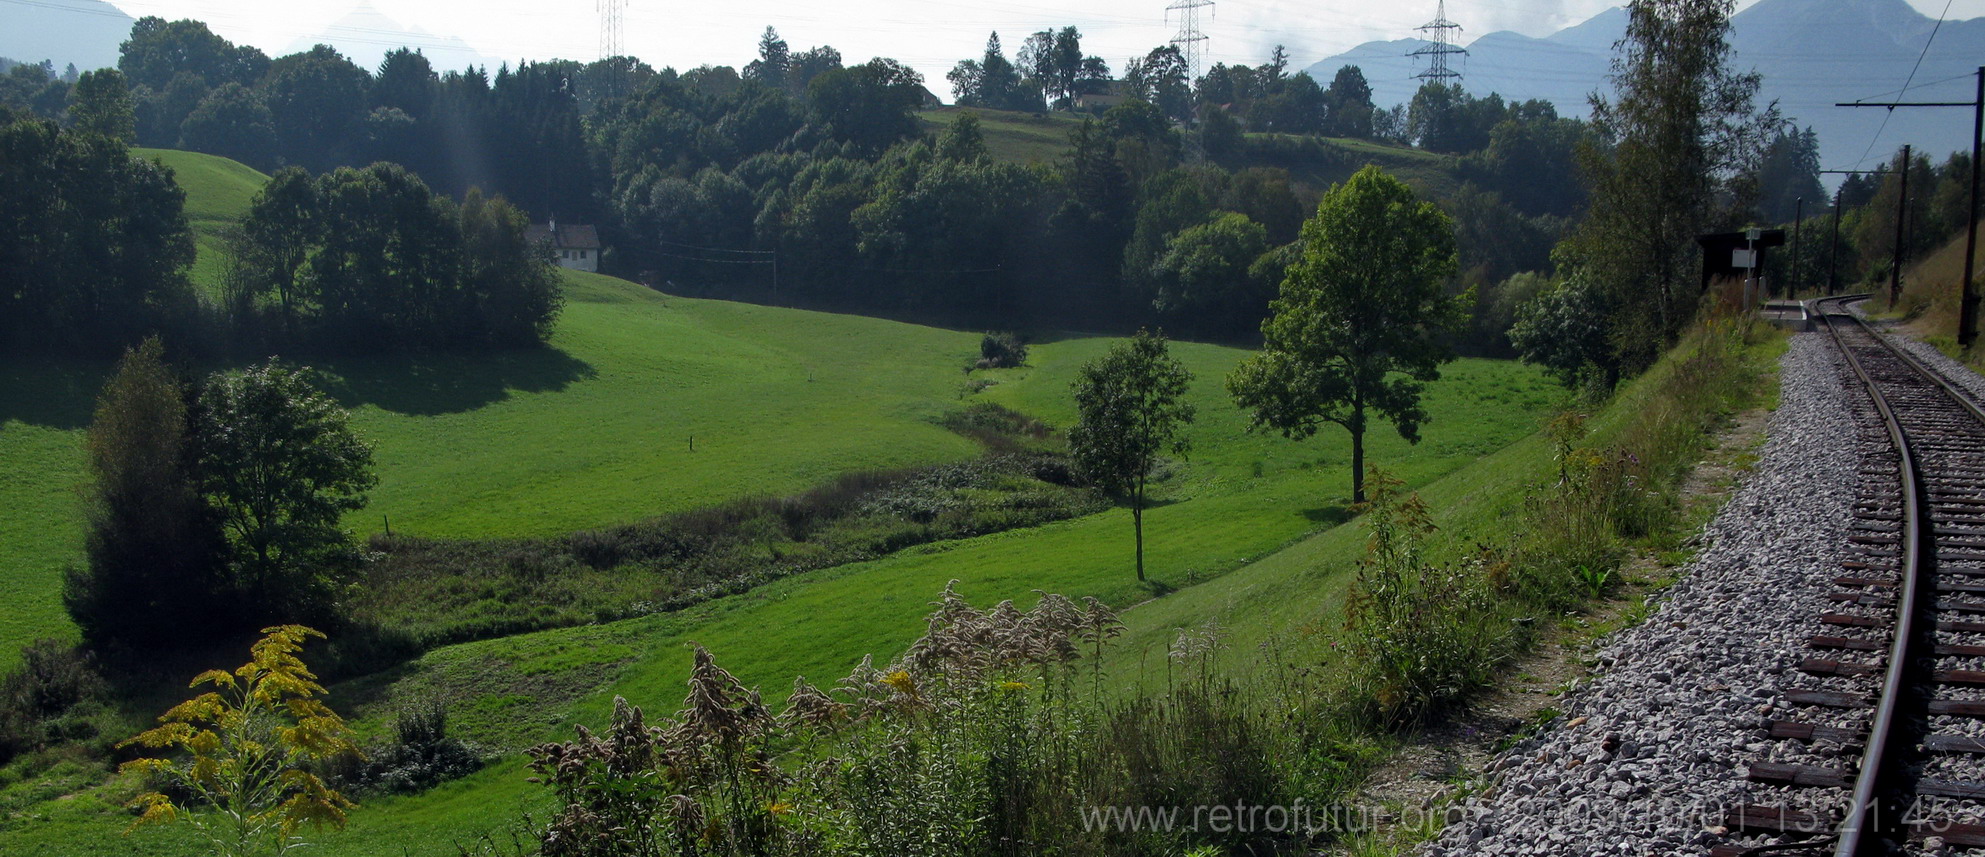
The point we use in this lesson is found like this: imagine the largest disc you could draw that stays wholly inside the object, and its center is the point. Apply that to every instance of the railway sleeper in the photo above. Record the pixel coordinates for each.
(1855, 644)
(1802, 775)
(1952, 743)
(1831, 699)
(1958, 707)
(1792, 730)
(1756, 818)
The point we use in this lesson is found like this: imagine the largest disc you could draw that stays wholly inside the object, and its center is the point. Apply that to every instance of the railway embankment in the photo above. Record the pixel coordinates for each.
(1651, 751)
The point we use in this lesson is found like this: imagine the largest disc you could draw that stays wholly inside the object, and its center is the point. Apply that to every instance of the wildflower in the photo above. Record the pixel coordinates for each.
(1012, 686)
(901, 681)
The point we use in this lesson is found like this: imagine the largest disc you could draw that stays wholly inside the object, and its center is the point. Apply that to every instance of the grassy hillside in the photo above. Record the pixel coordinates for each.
(1019, 138)
(218, 191)
(1239, 498)
(595, 429)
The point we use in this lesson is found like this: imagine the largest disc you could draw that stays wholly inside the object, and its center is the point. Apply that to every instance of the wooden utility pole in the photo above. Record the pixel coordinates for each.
(1798, 222)
(1833, 246)
(1967, 316)
(1901, 221)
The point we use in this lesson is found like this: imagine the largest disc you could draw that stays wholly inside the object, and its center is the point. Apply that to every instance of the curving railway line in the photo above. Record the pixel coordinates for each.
(1888, 730)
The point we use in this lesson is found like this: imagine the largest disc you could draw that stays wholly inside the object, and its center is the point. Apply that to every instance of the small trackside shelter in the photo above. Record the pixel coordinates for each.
(1735, 254)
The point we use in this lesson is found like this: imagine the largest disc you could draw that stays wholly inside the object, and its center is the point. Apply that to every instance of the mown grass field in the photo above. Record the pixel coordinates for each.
(218, 191)
(596, 430)
(1020, 138)
(1227, 515)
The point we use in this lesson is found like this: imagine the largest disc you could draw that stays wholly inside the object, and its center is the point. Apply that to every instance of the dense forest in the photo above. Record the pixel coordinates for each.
(805, 180)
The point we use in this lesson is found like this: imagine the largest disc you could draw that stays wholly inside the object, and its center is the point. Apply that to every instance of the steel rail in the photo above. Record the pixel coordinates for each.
(1862, 833)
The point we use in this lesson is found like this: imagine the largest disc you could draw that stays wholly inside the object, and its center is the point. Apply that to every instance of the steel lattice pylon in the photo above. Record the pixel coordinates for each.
(1441, 32)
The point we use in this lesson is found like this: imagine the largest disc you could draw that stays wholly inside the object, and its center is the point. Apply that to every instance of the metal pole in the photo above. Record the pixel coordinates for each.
(1792, 275)
(1901, 215)
(1833, 245)
(1967, 305)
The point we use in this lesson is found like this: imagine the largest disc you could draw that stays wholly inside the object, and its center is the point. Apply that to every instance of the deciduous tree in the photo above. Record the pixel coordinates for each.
(1133, 411)
(101, 104)
(152, 546)
(1686, 139)
(1362, 322)
(280, 465)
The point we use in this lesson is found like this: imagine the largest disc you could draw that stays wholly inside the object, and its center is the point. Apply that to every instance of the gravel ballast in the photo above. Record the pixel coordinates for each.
(1651, 750)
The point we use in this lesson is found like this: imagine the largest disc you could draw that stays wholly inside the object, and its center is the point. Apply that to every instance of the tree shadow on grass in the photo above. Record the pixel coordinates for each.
(435, 384)
(56, 393)
(1332, 515)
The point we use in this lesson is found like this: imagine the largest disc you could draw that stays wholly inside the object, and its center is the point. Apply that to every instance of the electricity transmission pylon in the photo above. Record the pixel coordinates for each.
(1190, 35)
(1441, 32)
(611, 14)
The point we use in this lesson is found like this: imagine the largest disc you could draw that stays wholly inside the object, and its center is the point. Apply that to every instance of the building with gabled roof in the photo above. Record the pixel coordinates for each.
(573, 246)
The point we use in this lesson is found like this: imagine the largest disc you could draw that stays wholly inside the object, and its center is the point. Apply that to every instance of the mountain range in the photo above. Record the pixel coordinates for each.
(84, 32)
(1811, 53)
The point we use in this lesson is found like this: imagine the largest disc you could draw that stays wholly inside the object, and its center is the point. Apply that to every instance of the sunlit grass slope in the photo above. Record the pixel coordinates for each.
(594, 430)
(1229, 536)
(1019, 138)
(218, 191)
(598, 428)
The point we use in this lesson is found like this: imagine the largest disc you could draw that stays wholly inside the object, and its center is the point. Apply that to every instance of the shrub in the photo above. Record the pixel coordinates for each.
(421, 756)
(53, 678)
(1419, 635)
(1001, 350)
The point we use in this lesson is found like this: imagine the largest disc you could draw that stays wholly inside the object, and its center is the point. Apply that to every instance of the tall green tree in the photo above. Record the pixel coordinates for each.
(280, 466)
(1686, 141)
(1363, 321)
(97, 242)
(775, 59)
(1350, 102)
(232, 122)
(152, 546)
(1202, 277)
(869, 106)
(1132, 410)
(101, 104)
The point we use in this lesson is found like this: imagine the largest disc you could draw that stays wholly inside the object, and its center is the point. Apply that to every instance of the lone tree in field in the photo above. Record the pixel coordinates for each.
(1132, 410)
(1360, 325)
(281, 466)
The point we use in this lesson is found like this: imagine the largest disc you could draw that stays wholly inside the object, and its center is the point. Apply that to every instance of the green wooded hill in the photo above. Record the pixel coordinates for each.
(1317, 162)
(596, 429)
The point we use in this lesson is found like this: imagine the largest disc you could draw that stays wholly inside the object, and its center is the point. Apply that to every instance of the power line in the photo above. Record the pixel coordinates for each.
(1905, 84)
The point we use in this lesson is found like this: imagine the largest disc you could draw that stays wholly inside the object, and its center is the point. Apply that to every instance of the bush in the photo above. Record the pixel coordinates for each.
(1001, 350)
(420, 757)
(53, 679)
(1419, 635)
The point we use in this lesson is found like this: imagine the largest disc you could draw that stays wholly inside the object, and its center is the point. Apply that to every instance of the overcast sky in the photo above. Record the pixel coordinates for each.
(930, 35)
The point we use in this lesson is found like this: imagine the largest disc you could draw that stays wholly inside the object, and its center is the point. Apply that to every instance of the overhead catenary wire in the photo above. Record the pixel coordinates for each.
(1890, 113)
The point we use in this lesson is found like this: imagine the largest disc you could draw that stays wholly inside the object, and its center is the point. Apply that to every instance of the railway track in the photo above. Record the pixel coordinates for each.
(1889, 729)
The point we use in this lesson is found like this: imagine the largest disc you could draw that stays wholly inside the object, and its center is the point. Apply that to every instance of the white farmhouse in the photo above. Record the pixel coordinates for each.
(575, 247)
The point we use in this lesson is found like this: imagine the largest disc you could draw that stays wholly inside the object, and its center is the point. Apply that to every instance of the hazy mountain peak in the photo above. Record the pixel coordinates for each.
(84, 32)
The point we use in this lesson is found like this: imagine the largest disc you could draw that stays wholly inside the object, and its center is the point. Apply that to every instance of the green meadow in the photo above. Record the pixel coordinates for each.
(646, 403)
(218, 191)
